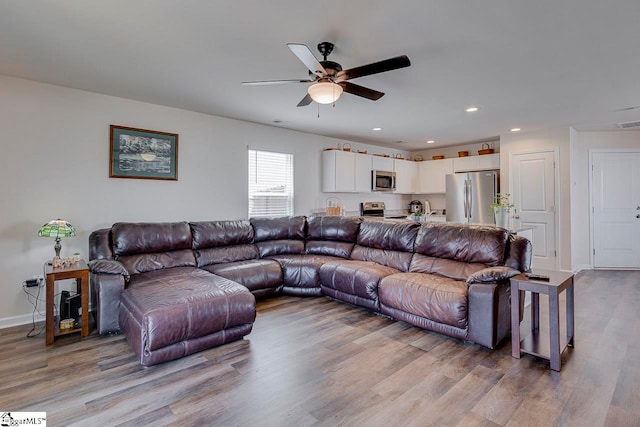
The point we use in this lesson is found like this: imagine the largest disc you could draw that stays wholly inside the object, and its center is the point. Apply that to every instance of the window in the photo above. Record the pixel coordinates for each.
(270, 184)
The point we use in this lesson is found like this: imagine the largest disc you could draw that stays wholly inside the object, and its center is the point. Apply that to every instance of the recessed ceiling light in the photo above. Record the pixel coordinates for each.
(430, 141)
(376, 129)
(515, 129)
(471, 109)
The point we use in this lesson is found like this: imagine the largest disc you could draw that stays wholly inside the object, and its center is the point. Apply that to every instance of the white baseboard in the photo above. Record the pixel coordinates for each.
(23, 319)
(581, 267)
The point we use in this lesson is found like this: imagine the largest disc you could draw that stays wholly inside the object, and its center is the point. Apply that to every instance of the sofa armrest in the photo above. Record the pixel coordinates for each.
(489, 313)
(108, 279)
(492, 275)
(108, 266)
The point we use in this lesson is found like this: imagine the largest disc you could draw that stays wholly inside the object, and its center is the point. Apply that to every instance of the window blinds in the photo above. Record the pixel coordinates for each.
(270, 184)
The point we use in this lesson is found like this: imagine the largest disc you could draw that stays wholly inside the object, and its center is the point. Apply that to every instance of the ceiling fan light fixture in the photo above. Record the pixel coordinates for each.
(325, 92)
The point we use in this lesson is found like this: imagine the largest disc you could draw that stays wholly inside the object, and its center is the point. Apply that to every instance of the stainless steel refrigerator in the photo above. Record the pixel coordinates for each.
(470, 195)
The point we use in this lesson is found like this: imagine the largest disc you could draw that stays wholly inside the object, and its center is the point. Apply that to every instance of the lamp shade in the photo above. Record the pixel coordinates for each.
(325, 92)
(57, 228)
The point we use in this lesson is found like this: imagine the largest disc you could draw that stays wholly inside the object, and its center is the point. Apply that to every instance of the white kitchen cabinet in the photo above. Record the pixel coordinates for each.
(477, 163)
(363, 173)
(489, 162)
(382, 163)
(406, 176)
(345, 172)
(432, 175)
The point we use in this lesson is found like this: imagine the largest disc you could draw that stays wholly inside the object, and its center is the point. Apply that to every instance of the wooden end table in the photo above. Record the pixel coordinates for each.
(537, 343)
(80, 272)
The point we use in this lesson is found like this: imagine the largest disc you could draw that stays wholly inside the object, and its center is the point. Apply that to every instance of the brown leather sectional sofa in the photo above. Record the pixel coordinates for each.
(178, 288)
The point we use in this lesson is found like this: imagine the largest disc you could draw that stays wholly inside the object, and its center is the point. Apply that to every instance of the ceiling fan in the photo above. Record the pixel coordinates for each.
(330, 80)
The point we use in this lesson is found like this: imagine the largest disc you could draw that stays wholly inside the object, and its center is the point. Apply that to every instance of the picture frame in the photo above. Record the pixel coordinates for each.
(143, 154)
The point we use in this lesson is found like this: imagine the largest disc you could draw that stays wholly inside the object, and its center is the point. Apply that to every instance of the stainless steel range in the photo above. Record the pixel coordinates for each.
(372, 209)
(377, 210)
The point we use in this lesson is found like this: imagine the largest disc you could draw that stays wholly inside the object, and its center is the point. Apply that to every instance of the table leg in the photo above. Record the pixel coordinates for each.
(515, 320)
(83, 288)
(535, 311)
(554, 329)
(570, 313)
(49, 315)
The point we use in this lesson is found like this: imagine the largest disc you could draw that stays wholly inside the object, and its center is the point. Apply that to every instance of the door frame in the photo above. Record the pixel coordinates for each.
(592, 229)
(556, 193)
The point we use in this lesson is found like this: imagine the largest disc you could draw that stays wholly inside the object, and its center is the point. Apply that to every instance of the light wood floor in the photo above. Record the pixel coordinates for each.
(312, 361)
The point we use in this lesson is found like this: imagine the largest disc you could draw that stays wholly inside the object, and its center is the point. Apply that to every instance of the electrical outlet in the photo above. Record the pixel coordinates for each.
(36, 281)
(32, 283)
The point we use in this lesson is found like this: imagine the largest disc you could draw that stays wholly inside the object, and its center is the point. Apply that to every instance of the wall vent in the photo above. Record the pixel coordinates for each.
(627, 125)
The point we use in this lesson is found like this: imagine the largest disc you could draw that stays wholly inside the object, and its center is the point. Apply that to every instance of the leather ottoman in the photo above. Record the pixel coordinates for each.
(168, 316)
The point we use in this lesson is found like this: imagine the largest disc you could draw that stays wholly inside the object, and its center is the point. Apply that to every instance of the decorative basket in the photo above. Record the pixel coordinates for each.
(333, 207)
(346, 147)
(437, 157)
(418, 158)
(463, 153)
(485, 150)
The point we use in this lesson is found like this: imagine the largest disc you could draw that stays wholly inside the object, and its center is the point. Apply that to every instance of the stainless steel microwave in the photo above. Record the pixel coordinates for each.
(383, 181)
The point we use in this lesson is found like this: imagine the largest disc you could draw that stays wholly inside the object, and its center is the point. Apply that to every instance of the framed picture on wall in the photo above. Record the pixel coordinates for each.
(143, 154)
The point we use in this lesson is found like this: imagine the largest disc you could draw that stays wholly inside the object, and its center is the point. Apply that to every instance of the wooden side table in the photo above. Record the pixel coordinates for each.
(80, 272)
(537, 343)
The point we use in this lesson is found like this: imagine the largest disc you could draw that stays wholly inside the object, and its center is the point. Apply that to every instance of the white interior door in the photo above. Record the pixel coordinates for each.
(615, 194)
(533, 191)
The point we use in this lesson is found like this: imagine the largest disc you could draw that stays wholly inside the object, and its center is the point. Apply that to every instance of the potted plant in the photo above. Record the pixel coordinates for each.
(418, 216)
(501, 207)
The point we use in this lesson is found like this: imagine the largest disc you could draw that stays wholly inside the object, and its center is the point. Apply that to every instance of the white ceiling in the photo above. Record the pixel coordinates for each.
(525, 63)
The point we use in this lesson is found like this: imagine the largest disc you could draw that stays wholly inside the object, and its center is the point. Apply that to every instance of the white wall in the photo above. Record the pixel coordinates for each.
(553, 139)
(55, 164)
(452, 151)
(581, 144)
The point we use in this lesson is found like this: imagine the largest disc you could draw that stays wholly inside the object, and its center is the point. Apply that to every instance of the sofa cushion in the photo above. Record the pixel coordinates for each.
(520, 253)
(218, 242)
(452, 269)
(331, 235)
(211, 234)
(274, 236)
(143, 263)
(457, 251)
(346, 279)
(302, 271)
(466, 243)
(144, 247)
(142, 238)
(100, 244)
(432, 297)
(255, 274)
(386, 243)
(222, 255)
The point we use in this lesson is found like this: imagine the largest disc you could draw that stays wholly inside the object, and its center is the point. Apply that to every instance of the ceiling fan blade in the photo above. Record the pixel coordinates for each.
(276, 82)
(374, 68)
(362, 91)
(305, 101)
(305, 55)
